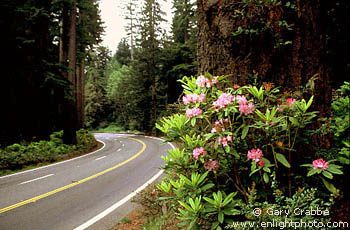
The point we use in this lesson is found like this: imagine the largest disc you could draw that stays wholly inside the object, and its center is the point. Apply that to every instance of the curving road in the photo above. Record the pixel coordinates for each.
(80, 193)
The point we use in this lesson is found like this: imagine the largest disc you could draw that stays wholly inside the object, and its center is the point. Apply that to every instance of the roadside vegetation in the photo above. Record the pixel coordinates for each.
(22, 156)
(248, 148)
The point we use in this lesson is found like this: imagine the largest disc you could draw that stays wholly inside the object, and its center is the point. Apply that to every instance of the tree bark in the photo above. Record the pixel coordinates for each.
(290, 66)
(70, 107)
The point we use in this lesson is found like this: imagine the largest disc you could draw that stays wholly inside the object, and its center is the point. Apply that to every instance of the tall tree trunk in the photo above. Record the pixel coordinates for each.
(290, 66)
(80, 93)
(70, 107)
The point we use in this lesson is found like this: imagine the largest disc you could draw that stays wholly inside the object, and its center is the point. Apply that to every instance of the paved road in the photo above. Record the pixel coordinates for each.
(67, 195)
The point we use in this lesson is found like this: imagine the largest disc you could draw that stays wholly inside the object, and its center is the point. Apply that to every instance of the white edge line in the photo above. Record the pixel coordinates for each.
(122, 201)
(100, 158)
(39, 178)
(61, 162)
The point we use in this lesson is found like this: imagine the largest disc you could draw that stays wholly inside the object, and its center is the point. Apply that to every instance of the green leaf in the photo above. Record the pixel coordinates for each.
(193, 121)
(207, 186)
(294, 121)
(281, 158)
(254, 171)
(245, 132)
(306, 165)
(311, 172)
(329, 186)
(211, 201)
(327, 174)
(334, 170)
(215, 225)
(266, 178)
(221, 217)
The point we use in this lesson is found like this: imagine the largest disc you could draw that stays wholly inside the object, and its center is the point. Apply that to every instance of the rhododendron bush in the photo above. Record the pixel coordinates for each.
(234, 143)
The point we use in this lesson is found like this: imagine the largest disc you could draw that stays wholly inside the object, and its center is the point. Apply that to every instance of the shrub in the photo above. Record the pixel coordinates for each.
(17, 156)
(234, 138)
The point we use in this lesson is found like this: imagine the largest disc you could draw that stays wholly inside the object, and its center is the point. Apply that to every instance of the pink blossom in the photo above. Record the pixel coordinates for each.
(198, 151)
(215, 80)
(193, 112)
(220, 125)
(255, 155)
(224, 100)
(224, 140)
(320, 164)
(194, 98)
(211, 165)
(290, 101)
(241, 99)
(235, 86)
(247, 108)
(280, 108)
(202, 81)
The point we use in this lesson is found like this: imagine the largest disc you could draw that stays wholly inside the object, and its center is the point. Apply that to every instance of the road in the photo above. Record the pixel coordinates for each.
(72, 194)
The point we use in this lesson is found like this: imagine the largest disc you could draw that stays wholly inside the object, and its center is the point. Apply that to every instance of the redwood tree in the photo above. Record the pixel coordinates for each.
(280, 41)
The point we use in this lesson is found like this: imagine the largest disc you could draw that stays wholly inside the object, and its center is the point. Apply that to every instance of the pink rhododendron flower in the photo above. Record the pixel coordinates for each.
(290, 101)
(280, 108)
(213, 130)
(241, 99)
(224, 100)
(247, 108)
(193, 112)
(224, 140)
(211, 165)
(194, 98)
(203, 82)
(198, 151)
(320, 164)
(255, 155)
(215, 80)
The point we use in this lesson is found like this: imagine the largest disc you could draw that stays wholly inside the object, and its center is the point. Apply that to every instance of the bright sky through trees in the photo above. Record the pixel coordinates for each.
(114, 22)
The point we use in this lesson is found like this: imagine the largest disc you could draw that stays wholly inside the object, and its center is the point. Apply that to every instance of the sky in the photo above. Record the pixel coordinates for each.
(114, 22)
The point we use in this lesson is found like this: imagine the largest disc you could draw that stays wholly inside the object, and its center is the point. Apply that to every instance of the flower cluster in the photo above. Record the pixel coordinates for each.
(224, 140)
(193, 98)
(320, 164)
(193, 112)
(255, 155)
(219, 125)
(198, 151)
(244, 107)
(290, 102)
(206, 82)
(211, 165)
(224, 100)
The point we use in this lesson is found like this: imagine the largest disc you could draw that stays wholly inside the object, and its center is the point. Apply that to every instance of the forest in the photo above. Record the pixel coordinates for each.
(272, 75)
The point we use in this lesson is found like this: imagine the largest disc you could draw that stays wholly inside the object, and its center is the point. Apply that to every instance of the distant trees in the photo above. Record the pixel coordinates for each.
(140, 89)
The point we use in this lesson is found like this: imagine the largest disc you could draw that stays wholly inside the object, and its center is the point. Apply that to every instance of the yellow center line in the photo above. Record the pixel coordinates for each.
(34, 199)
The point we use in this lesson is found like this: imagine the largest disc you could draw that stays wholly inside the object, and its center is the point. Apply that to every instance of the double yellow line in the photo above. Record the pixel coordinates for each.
(34, 199)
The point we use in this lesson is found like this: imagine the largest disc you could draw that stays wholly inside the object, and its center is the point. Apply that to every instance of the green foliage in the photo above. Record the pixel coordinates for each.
(17, 156)
(234, 137)
(284, 209)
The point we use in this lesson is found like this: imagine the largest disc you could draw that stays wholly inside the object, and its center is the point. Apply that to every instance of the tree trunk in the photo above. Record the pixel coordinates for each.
(80, 93)
(70, 107)
(288, 65)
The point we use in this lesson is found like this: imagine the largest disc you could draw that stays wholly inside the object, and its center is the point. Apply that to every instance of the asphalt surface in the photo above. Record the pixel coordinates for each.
(66, 195)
